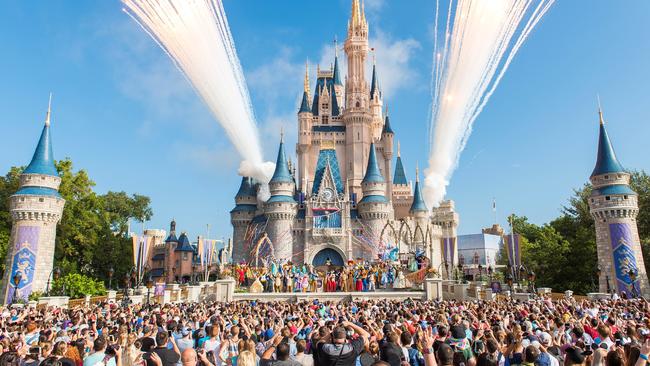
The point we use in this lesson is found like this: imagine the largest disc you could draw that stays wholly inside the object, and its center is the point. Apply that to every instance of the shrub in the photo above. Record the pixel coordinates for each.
(76, 285)
(34, 296)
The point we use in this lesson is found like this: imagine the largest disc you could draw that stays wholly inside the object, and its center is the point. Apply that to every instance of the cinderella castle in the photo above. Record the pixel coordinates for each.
(348, 196)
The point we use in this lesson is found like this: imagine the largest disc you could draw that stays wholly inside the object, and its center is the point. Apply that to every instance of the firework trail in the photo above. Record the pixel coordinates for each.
(196, 36)
(480, 40)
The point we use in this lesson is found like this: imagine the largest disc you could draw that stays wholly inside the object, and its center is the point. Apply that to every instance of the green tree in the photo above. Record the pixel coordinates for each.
(92, 233)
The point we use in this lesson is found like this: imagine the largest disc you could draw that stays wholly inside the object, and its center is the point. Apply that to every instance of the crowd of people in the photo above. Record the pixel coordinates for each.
(540, 332)
(273, 276)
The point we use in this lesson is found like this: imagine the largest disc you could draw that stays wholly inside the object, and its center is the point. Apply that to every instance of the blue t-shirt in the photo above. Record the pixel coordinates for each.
(97, 359)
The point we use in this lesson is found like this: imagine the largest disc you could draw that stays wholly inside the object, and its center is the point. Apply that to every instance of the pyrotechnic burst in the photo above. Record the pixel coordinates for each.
(196, 36)
(479, 40)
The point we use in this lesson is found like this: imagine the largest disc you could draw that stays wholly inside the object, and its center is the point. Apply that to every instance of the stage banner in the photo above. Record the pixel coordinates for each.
(141, 246)
(513, 249)
(624, 259)
(24, 261)
(159, 289)
(448, 249)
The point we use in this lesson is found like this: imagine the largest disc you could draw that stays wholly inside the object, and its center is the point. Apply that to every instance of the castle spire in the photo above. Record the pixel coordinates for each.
(418, 204)
(606, 161)
(281, 173)
(373, 174)
(398, 152)
(43, 159)
(400, 176)
(336, 76)
(374, 84)
(306, 82)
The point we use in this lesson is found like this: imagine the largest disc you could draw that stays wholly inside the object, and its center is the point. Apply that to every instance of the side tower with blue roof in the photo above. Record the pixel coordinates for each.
(614, 207)
(374, 207)
(280, 209)
(36, 209)
(241, 218)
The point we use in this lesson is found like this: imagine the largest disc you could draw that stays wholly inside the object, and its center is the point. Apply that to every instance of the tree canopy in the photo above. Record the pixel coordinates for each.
(93, 233)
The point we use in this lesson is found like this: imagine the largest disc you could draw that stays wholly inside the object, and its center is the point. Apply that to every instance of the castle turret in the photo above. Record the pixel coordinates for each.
(280, 209)
(358, 119)
(402, 196)
(614, 207)
(387, 136)
(36, 209)
(374, 208)
(241, 217)
(305, 122)
(336, 76)
(446, 218)
(376, 105)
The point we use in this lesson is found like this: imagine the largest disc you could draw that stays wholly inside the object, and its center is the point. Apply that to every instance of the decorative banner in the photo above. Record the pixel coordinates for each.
(159, 289)
(624, 259)
(448, 249)
(206, 250)
(141, 245)
(24, 261)
(513, 249)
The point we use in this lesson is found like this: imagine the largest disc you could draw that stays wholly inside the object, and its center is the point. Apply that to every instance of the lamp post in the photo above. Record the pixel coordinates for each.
(509, 281)
(111, 272)
(489, 270)
(149, 286)
(480, 272)
(461, 272)
(531, 281)
(56, 272)
(632, 274)
(17, 278)
(447, 269)
(127, 284)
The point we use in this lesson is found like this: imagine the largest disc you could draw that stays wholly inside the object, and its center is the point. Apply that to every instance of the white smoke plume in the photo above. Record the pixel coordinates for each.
(473, 48)
(196, 36)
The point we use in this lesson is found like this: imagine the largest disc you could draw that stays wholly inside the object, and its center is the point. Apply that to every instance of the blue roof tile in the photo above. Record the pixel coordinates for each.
(337, 76)
(43, 158)
(327, 156)
(280, 198)
(184, 244)
(38, 191)
(328, 128)
(374, 84)
(246, 188)
(606, 161)
(418, 204)
(613, 190)
(400, 175)
(304, 106)
(373, 174)
(244, 208)
(387, 127)
(281, 173)
(373, 198)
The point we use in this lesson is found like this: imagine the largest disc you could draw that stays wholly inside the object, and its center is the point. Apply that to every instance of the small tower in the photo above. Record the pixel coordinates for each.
(376, 105)
(420, 214)
(336, 76)
(387, 136)
(241, 217)
(374, 208)
(280, 209)
(613, 205)
(35, 209)
(445, 217)
(305, 122)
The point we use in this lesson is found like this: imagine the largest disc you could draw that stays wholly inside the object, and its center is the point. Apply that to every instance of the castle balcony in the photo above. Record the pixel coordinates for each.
(327, 231)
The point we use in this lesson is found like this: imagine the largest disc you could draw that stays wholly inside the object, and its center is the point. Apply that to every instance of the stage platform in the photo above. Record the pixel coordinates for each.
(329, 296)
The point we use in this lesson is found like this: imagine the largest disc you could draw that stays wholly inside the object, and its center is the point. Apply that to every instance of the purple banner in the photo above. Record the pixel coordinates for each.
(159, 289)
(448, 248)
(624, 259)
(24, 261)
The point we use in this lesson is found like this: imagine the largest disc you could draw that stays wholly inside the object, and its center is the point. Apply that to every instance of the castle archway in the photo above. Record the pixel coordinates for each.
(328, 254)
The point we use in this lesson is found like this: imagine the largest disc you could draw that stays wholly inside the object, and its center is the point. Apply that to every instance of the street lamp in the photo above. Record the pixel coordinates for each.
(632, 274)
(17, 278)
(111, 272)
(149, 286)
(531, 281)
(56, 272)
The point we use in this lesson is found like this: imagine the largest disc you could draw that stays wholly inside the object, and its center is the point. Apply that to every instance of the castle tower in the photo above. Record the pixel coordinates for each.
(445, 217)
(374, 208)
(241, 217)
(420, 214)
(376, 105)
(280, 209)
(613, 205)
(305, 122)
(336, 75)
(402, 196)
(36, 209)
(358, 119)
(387, 136)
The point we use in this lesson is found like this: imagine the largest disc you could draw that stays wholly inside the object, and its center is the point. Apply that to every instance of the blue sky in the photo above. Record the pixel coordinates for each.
(123, 112)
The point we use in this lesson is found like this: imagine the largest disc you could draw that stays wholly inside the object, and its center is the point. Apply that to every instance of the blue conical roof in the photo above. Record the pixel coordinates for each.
(337, 76)
(374, 84)
(304, 106)
(387, 128)
(184, 244)
(246, 188)
(281, 173)
(400, 176)
(418, 204)
(373, 174)
(335, 104)
(606, 161)
(43, 159)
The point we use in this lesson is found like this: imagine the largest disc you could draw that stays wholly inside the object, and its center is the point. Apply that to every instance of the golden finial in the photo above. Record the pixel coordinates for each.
(355, 13)
(600, 111)
(49, 111)
(307, 77)
(398, 149)
(363, 13)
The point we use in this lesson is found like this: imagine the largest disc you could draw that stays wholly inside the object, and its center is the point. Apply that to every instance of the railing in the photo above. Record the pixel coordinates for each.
(75, 303)
(329, 231)
(98, 299)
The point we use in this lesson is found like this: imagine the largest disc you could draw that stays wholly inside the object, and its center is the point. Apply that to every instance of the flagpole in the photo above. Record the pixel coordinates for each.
(512, 244)
(206, 264)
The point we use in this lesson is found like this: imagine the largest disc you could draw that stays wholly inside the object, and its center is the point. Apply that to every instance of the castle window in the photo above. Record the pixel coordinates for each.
(184, 256)
(325, 105)
(358, 104)
(41, 200)
(625, 197)
(607, 177)
(607, 198)
(325, 120)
